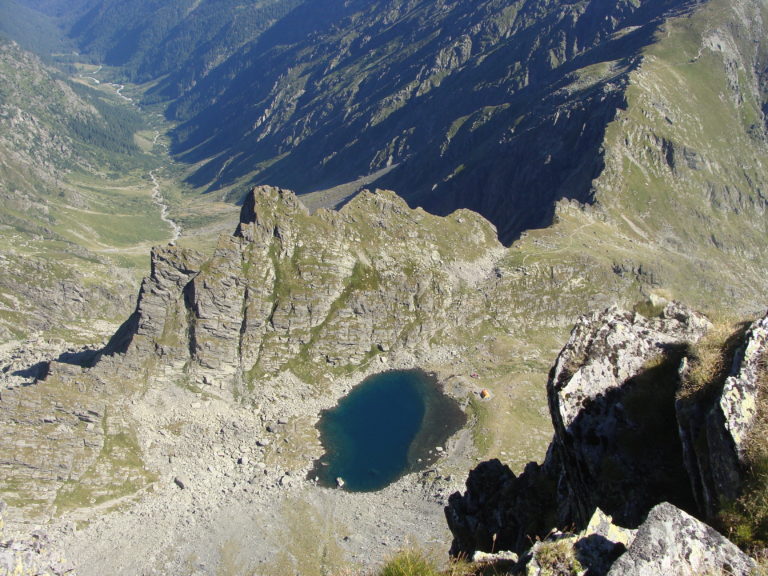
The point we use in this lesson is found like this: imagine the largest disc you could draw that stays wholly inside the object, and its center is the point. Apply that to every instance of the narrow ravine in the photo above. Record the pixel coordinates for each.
(160, 201)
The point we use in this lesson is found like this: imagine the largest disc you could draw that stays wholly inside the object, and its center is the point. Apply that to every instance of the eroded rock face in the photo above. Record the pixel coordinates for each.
(673, 542)
(715, 430)
(738, 401)
(290, 289)
(616, 446)
(499, 510)
(612, 402)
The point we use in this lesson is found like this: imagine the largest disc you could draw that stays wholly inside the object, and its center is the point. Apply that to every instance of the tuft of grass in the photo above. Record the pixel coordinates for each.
(409, 563)
(711, 358)
(761, 564)
(648, 308)
(557, 558)
(745, 521)
(415, 562)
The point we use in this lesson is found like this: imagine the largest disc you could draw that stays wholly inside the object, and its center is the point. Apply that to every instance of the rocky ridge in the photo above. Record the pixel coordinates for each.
(217, 378)
(625, 442)
(209, 393)
(253, 343)
(310, 293)
(511, 90)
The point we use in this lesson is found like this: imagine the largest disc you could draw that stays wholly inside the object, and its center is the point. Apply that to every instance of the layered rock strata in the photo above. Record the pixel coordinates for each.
(286, 305)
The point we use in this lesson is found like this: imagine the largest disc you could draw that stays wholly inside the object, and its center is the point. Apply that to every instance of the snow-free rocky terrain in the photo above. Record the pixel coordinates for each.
(182, 442)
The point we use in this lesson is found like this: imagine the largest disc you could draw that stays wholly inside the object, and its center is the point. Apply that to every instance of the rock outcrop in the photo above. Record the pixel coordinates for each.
(673, 542)
(500, 510)
(715, 422)
(612, 402)
(286, 305)
(738, 400)
(290, 290)
(29, 554)
(625, 443)
(611, 396)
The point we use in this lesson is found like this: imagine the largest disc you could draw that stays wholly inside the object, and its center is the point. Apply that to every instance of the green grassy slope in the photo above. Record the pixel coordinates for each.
(679, 212)
(77, 216)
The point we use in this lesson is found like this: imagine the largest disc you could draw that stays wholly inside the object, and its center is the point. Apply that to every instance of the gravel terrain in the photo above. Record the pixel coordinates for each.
(232, 496)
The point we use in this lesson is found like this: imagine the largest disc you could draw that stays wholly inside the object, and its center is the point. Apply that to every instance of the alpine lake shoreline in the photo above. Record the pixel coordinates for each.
(266, 519)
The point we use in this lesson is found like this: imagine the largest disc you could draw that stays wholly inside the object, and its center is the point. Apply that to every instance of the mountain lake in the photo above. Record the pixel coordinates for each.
(389, 425)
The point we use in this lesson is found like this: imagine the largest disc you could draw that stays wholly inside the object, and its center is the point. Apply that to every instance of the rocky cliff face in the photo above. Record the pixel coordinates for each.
(622, 441)
(284, 306)
(715, 423)
(309, 293)
(612, 402)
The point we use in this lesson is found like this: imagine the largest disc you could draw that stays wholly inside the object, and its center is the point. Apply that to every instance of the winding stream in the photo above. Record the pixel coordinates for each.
(160, 201)
(157, 195)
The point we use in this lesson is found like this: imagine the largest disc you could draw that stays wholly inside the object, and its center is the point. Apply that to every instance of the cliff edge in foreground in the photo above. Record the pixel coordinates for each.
(642, 433)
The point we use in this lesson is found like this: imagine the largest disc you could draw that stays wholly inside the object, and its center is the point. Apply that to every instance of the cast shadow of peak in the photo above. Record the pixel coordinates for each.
(35, 372)
(85, 358)
(40, 370)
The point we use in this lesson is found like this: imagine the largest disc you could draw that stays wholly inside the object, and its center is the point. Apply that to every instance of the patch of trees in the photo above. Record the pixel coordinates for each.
(112, 130)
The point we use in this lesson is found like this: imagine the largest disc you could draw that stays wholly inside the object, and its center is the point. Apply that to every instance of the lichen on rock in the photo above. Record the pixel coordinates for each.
(673, 542)
(715, 428)
(623, 443)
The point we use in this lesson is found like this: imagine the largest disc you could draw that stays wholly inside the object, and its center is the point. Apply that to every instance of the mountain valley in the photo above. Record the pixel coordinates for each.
(547, 158)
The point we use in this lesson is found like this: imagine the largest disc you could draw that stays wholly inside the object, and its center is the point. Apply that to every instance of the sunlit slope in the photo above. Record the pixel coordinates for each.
(680, 205)
(77, 217)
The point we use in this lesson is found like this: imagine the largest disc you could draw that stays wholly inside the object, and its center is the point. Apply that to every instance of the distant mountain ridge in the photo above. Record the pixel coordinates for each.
(176, 42)
(462, 98)
(497, 106)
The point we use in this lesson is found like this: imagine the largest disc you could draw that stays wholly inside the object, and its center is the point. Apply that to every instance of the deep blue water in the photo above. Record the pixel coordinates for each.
(383, 429)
